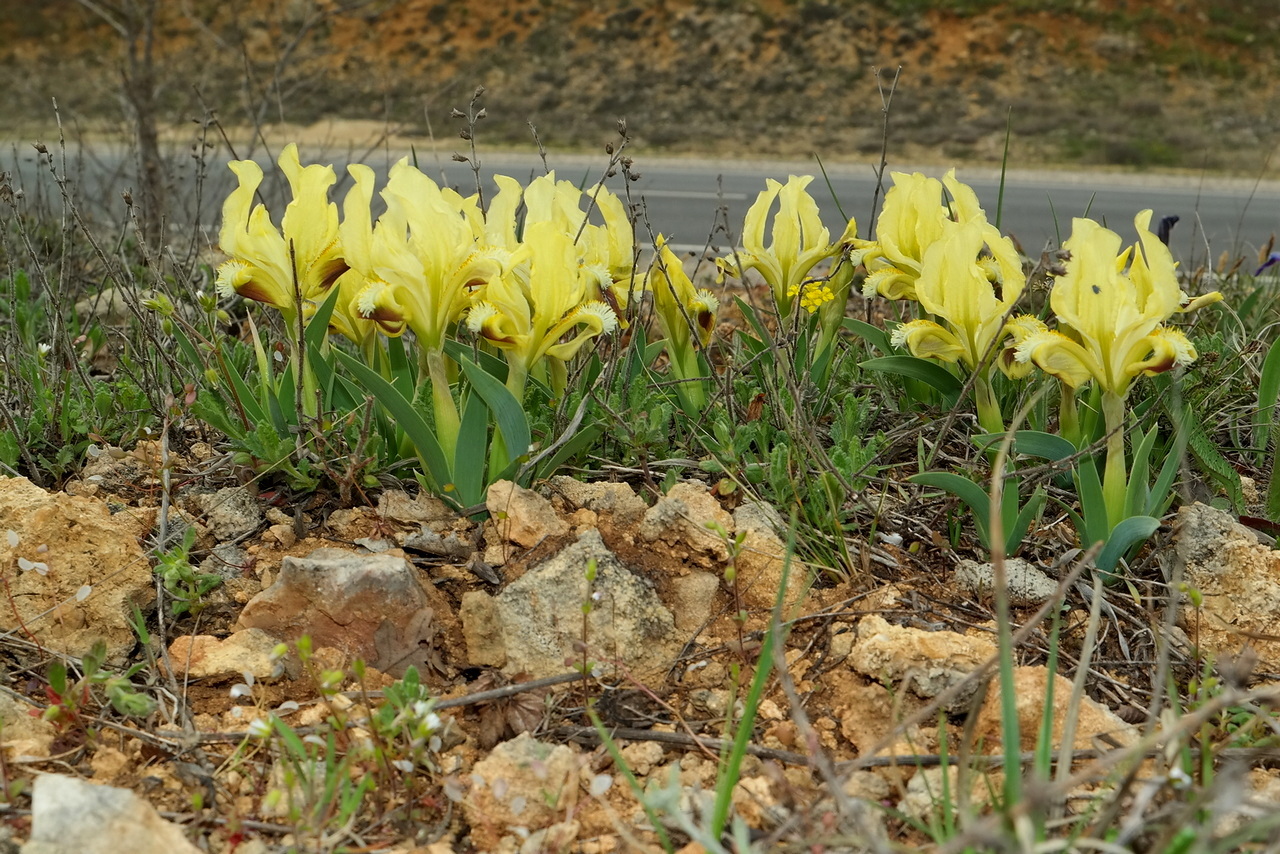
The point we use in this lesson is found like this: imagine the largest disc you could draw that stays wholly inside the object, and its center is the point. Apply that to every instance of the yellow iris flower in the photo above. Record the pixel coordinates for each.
(1112, 305)
(423, 259)
(1114, 318)
(913, 218)
(528, 318)
(683, 313)
(970, 285)
(266, 261)
(798, 240)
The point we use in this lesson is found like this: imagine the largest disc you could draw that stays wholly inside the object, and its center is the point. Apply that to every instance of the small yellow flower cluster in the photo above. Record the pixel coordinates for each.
(799, 242)
(813, 295)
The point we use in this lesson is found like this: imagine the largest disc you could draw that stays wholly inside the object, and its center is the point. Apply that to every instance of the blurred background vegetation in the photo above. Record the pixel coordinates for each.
(1159, 83)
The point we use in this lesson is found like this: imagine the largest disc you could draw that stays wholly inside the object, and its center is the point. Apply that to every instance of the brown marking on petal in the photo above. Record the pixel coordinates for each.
(497, 339)
(331, 271)
(611, 300)
(255, 290)
(1163, 365)
(381, 312)
(390, 327)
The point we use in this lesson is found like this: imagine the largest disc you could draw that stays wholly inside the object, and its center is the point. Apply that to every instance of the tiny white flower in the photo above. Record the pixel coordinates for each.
(13, 538)
(84, 591)
(259, 728)
(240, 690)
(403, 765)
(432, 720)
(44, 349)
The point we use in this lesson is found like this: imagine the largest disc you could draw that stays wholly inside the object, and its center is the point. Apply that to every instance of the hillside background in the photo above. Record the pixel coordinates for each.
(1157, 84)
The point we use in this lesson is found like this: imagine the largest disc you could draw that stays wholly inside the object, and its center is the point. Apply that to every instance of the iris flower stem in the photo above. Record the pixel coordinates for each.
(446, 411)
(1068, 415)
(692, 388)
(988, 406)
(1115, 480)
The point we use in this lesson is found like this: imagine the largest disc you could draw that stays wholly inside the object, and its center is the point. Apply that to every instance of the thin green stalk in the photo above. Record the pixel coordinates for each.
(1115, 480)
(984, 398)
(1069, 416)
(446, 411)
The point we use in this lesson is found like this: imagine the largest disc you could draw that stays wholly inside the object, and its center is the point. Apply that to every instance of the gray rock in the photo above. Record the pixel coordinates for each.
(617, 500)
(541, 615)
(231, 513)
(926, 663)
(430, 542)
(73, 816)
(683, 519)
(226, 560)
(1026, 584)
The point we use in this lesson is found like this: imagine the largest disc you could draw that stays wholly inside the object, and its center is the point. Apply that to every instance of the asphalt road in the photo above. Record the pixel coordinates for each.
(684, 198)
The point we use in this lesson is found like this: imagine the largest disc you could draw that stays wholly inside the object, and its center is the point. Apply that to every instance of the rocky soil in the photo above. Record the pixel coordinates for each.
(875, 665)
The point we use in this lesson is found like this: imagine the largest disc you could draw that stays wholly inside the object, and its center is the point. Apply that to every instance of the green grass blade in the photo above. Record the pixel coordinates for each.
(492, 364)
(1138, 491)
(508, 413)
(1268, 392)
(1017, 530)
(967, 491)
(583, 439)
(402, 367)
(1093, 507)
(1126, 535)
(873, 335)
(469, 457)
(1031, 443)
(318, 326)
(930, 373)
(407, 418)
(749, 312)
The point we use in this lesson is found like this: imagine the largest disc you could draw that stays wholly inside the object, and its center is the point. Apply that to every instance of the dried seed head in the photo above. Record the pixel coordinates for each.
(457, 114)
(480, 115)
